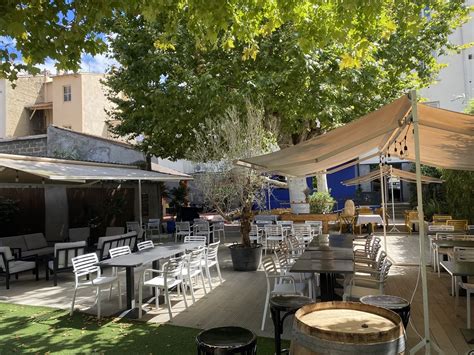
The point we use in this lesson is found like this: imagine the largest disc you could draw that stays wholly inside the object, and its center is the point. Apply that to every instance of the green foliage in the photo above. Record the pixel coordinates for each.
(179, 196)
(460, 193)
(321, 202)
(306, 88)
(8, 209)
(63, 29)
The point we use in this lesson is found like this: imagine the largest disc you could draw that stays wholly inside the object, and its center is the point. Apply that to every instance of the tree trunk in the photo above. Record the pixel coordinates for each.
(322, 183)
(245, 220)
(296, 187)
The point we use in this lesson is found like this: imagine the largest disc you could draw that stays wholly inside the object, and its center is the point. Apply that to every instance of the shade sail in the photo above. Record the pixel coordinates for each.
(25, 169)
(446, 141)
(390, 171)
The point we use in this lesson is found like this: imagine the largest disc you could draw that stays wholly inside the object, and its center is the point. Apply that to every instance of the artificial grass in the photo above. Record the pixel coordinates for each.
(28, 329)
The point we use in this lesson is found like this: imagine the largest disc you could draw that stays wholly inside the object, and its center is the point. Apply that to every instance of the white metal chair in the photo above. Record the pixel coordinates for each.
(316, 227)
(182, 230)
(202, 239)
(273, 235)
(153, 227)
(287, 226)
(170, 277)
(202, 228)
(218, 229)
(193, 269)
(303, 232)
(61, 260)
(362, 286)
(210, 260)
(277, 284)
(256, 233)
(84, 265)
(146, 244)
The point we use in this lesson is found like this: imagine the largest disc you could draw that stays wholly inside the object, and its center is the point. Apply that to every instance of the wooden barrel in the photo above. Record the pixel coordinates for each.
(346, 328)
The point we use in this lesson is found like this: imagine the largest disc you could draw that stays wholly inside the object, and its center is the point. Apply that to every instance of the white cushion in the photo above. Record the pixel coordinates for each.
(19, 266)
(159, 281)
(35, 241)
(62, 255)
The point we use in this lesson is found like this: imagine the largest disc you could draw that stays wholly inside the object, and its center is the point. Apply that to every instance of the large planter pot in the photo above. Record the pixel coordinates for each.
(246, 258)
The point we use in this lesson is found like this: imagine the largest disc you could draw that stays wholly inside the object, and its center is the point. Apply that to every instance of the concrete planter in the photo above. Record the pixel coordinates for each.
(246, 258)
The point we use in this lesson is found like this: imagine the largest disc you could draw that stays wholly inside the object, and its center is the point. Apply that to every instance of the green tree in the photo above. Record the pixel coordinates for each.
(63, 29)
(166, 95)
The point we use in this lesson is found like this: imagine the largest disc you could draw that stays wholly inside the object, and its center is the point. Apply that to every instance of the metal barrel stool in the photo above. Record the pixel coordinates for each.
(394, 303)
(226, 340)
(288, 304)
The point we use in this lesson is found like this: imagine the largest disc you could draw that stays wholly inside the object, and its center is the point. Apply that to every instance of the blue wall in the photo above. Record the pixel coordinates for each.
(339, 191)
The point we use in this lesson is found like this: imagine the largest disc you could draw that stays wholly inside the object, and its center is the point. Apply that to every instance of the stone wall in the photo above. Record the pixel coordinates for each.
(30, 145)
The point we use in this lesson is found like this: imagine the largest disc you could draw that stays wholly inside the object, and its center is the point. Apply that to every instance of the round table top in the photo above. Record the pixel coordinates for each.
(289, 302)
(226, 337)
(385, 301)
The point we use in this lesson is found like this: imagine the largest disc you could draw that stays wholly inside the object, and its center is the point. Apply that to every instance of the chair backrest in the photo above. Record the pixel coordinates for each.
(380, 260)
(282, 257)
(441, 219)
(212, 250)
(5, 256)
(183, 227)
(195, 257)
(195, 239)
(64, 252)
(316, 226)
(153, 223)
(218, 226)
(302, 230)
(470, 229)
(173, 268)
(463, 254)
(110, 231)
(349, 208)
(384, 271)
(285, 223)
(440, 228)
(133, 226)
(146, 244)
(104, 244)
(79, 234)
(201, 227)
(84, 264)
(274, 231)
(458, 224)
(119, 251)
(269, 266)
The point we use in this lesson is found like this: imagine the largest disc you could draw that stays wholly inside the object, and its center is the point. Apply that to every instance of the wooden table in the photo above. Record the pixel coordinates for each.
(131, 261)
(325, 218)
(341, 254)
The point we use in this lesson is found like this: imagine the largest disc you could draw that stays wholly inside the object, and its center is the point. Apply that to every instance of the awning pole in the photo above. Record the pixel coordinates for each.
(382, 190)
(140, 218)
(425, 342)
(394, 227)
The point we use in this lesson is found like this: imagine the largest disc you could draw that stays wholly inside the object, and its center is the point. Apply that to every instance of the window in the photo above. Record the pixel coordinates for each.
(67, 93)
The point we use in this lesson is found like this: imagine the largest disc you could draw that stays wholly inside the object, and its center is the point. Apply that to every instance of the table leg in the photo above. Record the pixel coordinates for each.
(277, 326)
(324, 280)
(130, 281)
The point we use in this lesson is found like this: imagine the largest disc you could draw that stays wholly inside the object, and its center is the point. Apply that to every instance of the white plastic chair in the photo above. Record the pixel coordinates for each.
(193, 269)
(202, 228)
(170, 277)
(276, 284)
(210, 260)
(303, 232)
(182, 230)
(83, 266)
(146, 244)
(256, 233)
(316, 227)
(367, 285)
(202, 239)
(274, 234)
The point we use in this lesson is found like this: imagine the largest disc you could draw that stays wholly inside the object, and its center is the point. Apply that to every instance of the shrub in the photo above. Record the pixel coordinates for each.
(321, 202)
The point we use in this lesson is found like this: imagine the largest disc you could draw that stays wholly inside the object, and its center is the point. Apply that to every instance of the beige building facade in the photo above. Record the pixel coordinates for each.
(74, 101)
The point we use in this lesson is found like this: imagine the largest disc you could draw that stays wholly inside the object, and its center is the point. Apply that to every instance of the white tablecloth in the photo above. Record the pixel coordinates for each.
(369, 218)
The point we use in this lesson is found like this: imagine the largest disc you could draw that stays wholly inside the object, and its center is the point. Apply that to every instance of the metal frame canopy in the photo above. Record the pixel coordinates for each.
(446, 141)
(27, 169)
(403, 128)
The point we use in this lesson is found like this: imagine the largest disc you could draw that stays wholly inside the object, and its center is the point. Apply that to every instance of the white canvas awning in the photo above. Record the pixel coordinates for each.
(390, 172)
(25, 169)
(446, 141)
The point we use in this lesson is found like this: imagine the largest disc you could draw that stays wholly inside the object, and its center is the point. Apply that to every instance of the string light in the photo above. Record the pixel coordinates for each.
(17, 179)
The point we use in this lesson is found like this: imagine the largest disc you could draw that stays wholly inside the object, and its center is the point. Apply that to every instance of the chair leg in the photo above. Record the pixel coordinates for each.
(191, 288)
(265, 309)
(168, 302)
(7, 281)
(110, 292)
(209, 277)
(157, 297)
(203, 283)
(468, 309)
(73, 301)
(98, 303)
(219, 271)
(119, 294)
(140, 297)
(184, 294)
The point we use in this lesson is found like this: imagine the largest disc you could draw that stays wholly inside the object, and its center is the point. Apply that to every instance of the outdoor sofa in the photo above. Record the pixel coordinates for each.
(28, 245)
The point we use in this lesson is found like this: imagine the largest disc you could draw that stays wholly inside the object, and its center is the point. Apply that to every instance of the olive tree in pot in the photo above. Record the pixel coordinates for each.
(232, 190)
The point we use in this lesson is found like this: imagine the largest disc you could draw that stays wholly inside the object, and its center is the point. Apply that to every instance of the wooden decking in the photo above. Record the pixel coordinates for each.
(239, 301)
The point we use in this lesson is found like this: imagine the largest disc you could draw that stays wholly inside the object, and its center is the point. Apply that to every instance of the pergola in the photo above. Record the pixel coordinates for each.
(404, 129)
(26, 171)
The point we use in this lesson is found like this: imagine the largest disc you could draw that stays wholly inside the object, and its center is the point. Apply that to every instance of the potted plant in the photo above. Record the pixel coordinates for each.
(230, 190)
(321, 202)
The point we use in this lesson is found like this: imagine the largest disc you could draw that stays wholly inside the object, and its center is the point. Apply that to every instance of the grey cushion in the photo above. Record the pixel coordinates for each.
(14, 242)
(35, 241)
(42, 251)
(19, 266)
(8, 255)
(60, 253)
(79, 234)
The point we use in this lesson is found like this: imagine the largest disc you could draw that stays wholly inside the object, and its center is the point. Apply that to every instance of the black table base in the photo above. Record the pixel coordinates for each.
(289, 305)
(226, 340)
